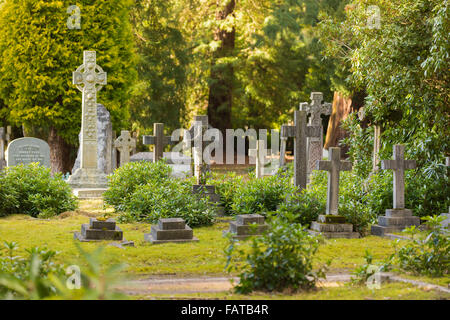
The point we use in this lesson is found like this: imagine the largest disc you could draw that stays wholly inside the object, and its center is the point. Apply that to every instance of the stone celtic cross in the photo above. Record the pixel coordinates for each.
(89, 79)
(125, 144)
(334, 167)
(2, 148)
(399, 165)
(315, 109)
(260, 153)
(300, 131)
(158, 140)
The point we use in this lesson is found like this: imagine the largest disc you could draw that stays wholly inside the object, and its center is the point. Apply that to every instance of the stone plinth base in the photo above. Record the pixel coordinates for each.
(170, 230)
(333, 227)
(395, 220)
(98, 230)
(246, 226)
(88, 179)
(210, 192)
(89, 193)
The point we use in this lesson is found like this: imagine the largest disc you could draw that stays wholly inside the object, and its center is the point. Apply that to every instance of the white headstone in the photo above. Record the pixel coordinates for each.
(28, 150)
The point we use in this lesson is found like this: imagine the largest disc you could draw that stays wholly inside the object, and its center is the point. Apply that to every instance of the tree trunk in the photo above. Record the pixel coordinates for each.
(342, 107)
(222, 74)
(59, 153)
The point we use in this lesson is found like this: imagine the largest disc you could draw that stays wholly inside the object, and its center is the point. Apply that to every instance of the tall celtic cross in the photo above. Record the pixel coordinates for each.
(315, 109)
(125, 144)
(334, 167)
(399, 165)
(300, 131)
(158, 140)
(89, 79)
(2, 148)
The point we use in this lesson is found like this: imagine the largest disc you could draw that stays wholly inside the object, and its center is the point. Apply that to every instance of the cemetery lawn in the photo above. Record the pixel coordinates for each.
(204, 258)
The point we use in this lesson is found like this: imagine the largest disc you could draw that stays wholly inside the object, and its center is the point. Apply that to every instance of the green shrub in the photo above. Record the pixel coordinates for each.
(261, 195)
(426, 253)
(303, 206)
(364, 273)
(31, 189)
(226, 186)
(168, 199)
(128, 178)
(280, 259)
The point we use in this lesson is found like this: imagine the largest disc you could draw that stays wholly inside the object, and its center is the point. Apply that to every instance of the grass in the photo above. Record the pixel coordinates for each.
(388, 291)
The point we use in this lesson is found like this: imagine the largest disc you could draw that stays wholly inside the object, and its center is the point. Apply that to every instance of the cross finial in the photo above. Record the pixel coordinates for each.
(399, 165)
(125, 143)
(316, 108)
(334, 167)
(158, 140)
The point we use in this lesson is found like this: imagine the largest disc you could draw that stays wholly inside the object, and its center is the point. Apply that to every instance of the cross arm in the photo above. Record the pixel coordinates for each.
(323, 165)
(346, 166)
(313, 131)
(77, 78)
(287, 131)
(410, 164)
(389, 164)
(148, 140)
(168, 141)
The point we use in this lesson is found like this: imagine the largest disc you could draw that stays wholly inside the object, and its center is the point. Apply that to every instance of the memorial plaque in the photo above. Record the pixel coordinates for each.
(28, 150)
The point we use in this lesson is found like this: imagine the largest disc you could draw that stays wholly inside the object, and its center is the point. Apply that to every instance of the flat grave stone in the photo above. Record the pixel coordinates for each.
(99, 230)
(170, 230)
(247, 225)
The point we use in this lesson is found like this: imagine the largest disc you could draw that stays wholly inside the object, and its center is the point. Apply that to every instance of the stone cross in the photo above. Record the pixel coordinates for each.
(196, 133)
(89, 79)
(158, 140)
(2, 148)
(315, 110)
(399, 165)
(300, 131)
(125, 144)
(260, 153)
(334, 167)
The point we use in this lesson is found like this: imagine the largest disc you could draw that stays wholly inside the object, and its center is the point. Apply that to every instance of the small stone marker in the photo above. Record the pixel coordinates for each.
(315, 144)
(260, 153)
(28, 150)
(158, 140)
(331, 225)
(398, 218)
(247, 225)
(170, 230)
(125, 144)
(89, 79)
(2, 148)
(300, 131)
(98, 230)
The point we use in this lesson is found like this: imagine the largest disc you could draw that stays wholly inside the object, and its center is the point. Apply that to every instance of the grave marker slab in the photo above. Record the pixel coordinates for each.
(170, 230)
(125, 144)
(398, 218)
(247, 225)
(99, 230)
(28, 150)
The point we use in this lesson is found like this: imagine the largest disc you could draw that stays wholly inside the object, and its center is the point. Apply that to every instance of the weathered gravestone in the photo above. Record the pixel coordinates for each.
(398, 218)
(2, 148)
(260, 153)
(159, 140)
(315, 144)
(98, 230)
(170, 230)
(105, 151)
(300, 131)
(125, 144)
(28, 150)
(247, 225)
(89, 79)
(332, 225)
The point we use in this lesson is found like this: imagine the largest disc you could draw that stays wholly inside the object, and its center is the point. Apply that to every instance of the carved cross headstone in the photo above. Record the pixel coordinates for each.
(89, 79)
(2, 148)
(196, 134)
(158, 140)
(315, 109)
(300, 131)
(399, 165)
(260, 153)
(334, 167)
(125, 144)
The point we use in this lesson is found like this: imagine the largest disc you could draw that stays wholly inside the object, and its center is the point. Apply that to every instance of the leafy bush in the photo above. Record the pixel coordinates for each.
(261, 195)
(31, 189)
(427, 253)
(363, 273)
(303, 206)
(280, 259)
(226, 186)
(128, 178)
(168, 199)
